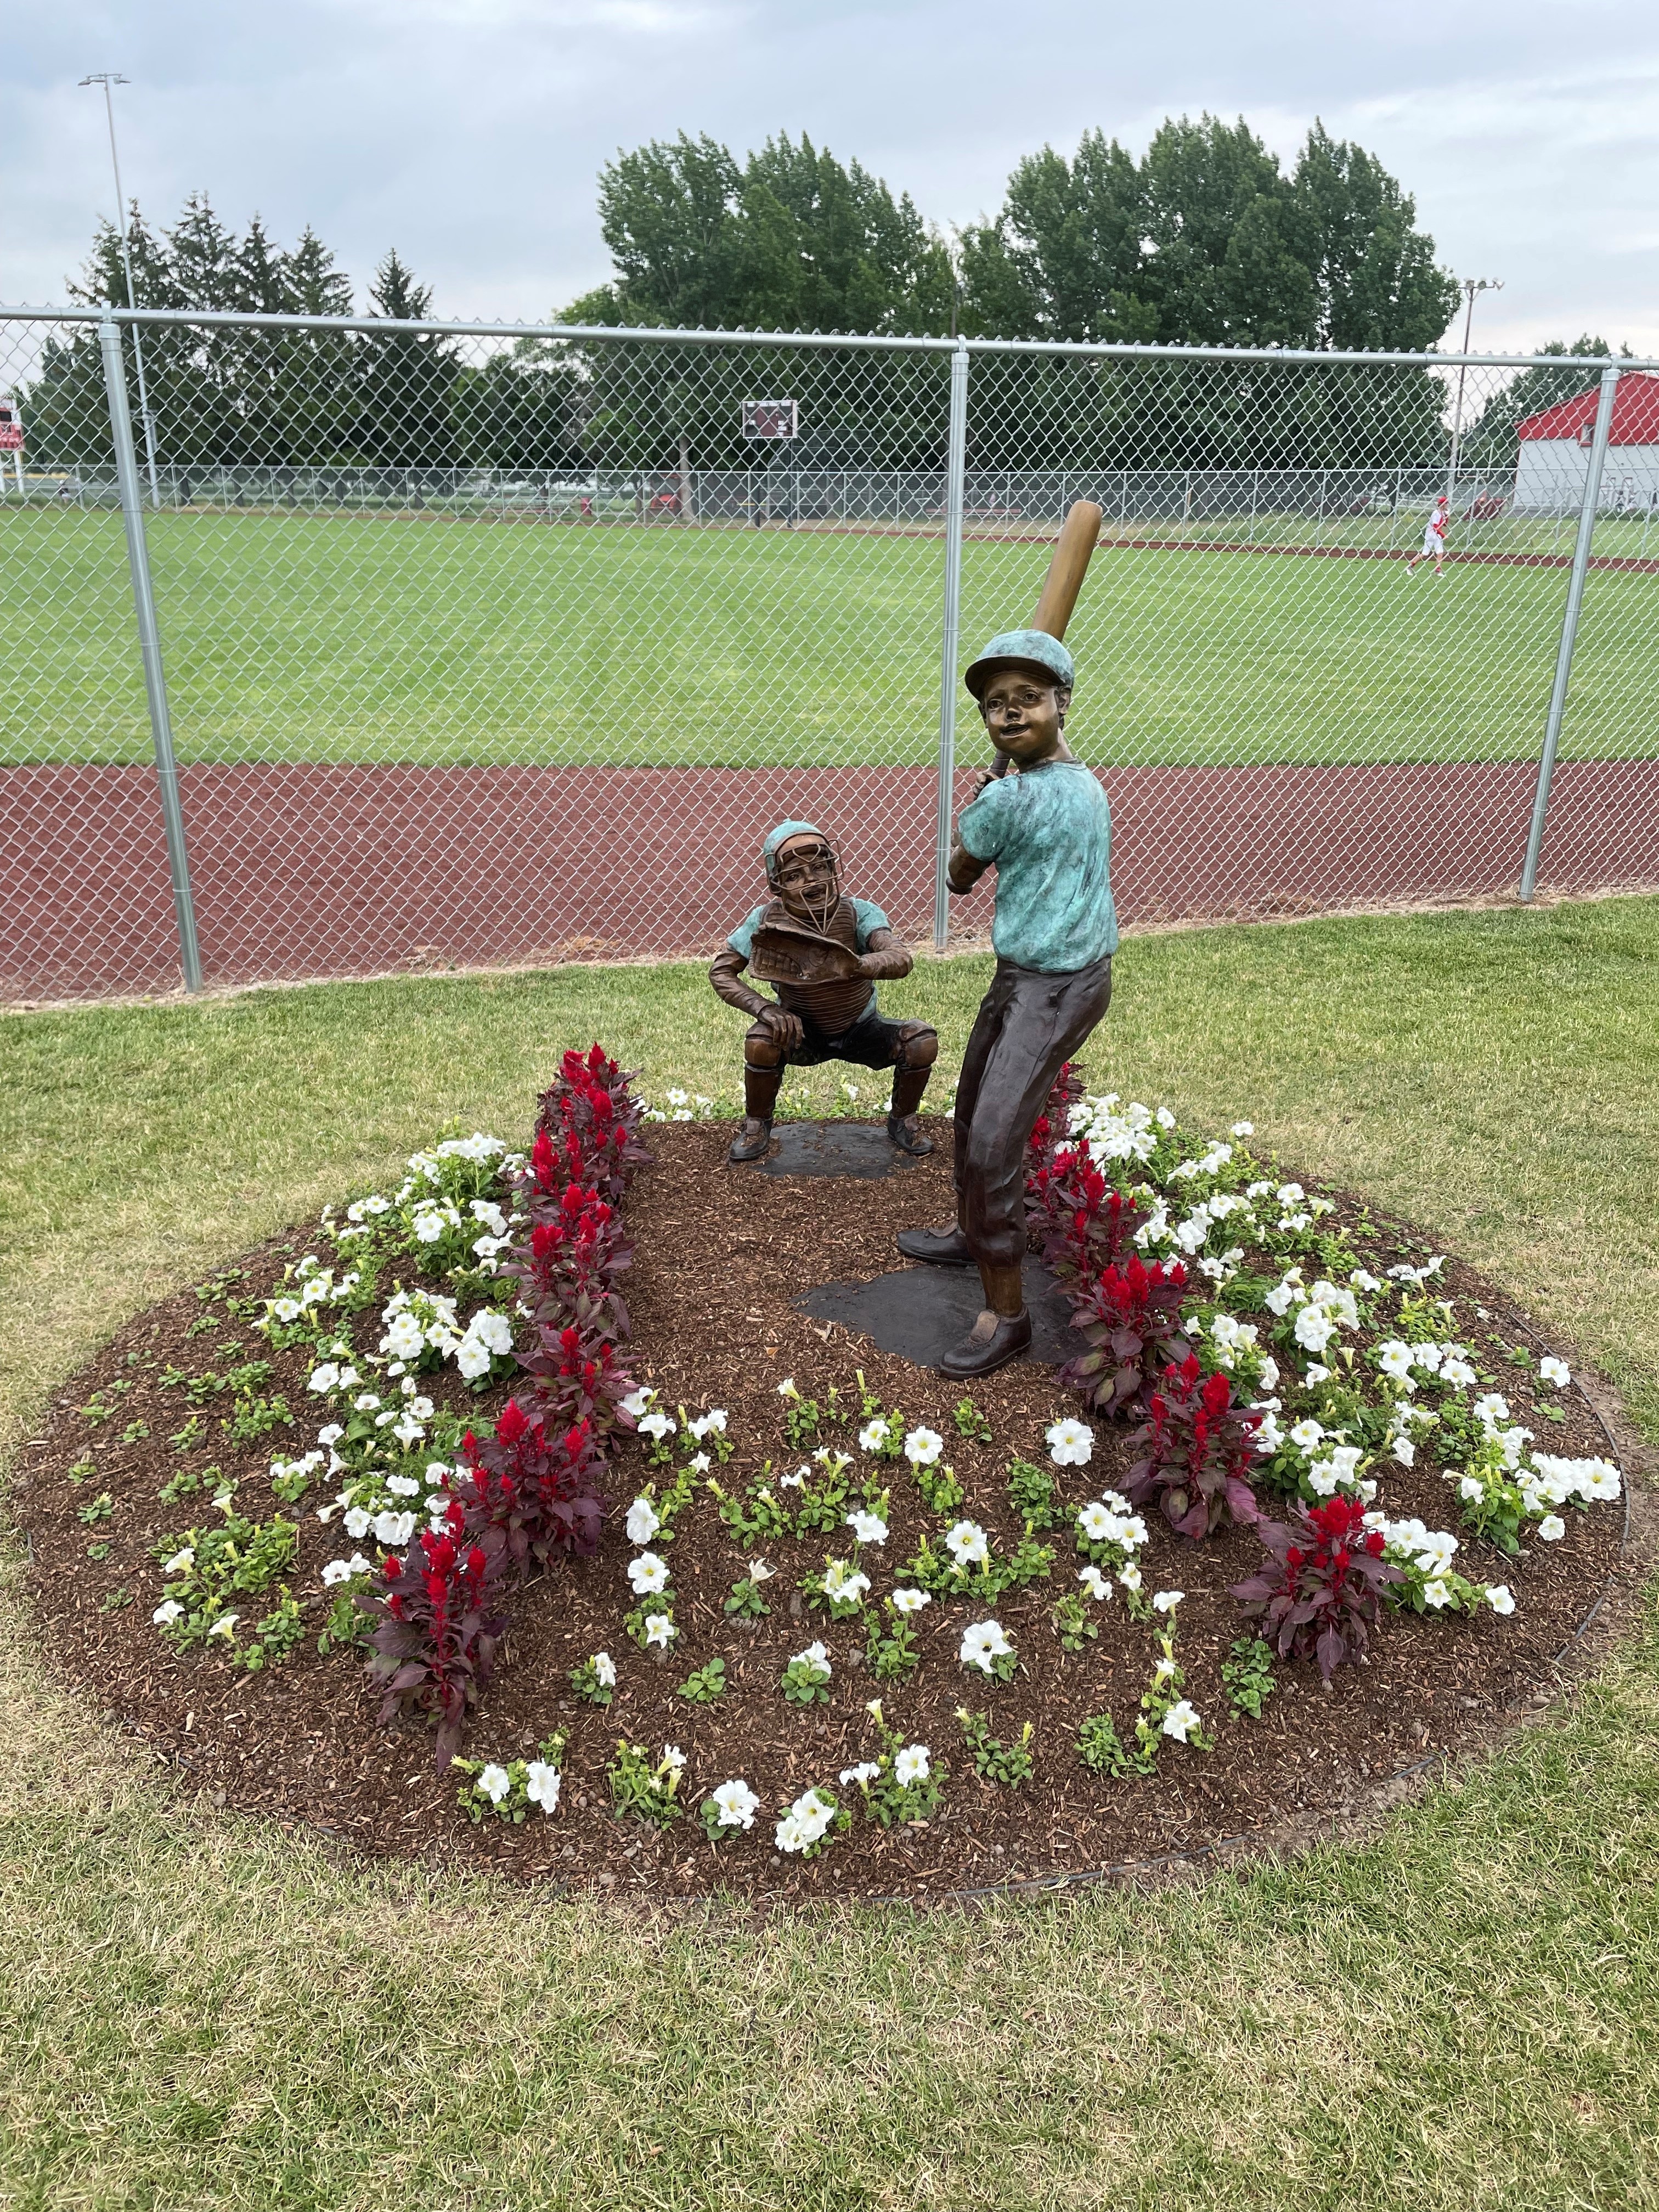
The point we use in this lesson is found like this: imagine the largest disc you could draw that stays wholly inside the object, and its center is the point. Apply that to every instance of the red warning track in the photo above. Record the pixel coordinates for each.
(313, 871)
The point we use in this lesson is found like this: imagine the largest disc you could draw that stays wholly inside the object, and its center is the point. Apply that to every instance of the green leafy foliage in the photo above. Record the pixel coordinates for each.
(643, 1788)
(1102, 1751)
(745, 1602)
(1008, 1765)
(705, 1683)
(1034, 1494)
(1248, 1675)
(970, 1423)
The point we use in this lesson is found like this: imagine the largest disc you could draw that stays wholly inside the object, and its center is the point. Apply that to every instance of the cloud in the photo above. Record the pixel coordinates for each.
(469, 133)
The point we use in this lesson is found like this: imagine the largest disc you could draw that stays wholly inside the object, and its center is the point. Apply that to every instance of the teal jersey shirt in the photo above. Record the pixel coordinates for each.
(868, 917)
(1050, 832)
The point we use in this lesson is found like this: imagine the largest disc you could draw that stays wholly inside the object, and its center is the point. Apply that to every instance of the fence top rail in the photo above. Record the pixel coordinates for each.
(384, 326)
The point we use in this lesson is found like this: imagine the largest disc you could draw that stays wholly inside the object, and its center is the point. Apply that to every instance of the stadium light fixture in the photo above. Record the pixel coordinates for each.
(1472, 286)
(109, 79)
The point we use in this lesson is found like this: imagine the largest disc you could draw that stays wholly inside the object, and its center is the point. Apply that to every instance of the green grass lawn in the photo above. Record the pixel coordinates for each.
(437, 639)
(198, 2010)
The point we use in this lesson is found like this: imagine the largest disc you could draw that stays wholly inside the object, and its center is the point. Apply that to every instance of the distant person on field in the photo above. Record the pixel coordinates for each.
(1434, 538)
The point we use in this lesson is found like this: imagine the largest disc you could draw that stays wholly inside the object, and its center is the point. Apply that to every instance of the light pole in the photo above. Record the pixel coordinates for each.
(1471, 286)
(108, 78)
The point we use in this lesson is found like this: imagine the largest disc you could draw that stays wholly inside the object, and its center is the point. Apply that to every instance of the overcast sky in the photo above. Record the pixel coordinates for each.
(468, 133)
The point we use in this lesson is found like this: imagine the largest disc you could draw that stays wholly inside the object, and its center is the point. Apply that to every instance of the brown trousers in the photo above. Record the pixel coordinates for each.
(1029, 1025)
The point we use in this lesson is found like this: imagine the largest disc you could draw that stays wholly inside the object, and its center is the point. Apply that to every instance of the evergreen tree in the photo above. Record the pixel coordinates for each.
(403, 383)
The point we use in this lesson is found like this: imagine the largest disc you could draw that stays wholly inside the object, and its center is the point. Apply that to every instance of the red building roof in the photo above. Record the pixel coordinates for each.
(1635, 414)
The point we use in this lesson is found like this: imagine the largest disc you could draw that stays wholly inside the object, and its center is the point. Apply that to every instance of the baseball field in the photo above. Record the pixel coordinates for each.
(445, 641)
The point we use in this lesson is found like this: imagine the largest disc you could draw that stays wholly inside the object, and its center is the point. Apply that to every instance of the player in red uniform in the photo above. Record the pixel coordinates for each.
(1434, 538)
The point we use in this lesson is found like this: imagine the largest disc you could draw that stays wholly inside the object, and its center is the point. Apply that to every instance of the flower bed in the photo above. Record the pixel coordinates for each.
(703, 1593)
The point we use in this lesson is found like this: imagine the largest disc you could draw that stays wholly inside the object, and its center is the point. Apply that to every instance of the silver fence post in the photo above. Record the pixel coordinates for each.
(150, 647)
(1581, 553)
(955, 470)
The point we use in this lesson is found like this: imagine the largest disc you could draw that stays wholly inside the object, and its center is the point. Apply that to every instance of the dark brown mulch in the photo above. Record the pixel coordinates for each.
(721, 1258)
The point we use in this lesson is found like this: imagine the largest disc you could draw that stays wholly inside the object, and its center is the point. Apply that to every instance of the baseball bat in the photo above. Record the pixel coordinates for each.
(1067, 566)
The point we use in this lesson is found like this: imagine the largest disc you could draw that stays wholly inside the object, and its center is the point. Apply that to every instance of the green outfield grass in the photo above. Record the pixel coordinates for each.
(445, 640)
(1454, 2015)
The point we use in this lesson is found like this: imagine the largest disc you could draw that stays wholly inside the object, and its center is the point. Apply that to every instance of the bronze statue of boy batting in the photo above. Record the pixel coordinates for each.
(1048, 832)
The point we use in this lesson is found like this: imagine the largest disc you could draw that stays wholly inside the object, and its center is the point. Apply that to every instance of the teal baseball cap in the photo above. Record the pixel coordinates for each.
(780, 837)
(1034, 646)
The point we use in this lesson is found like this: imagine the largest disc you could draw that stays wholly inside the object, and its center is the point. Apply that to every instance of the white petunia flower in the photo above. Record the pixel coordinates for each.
(759, 1572)
(805, 1822)
(872, 1436)
(855, 1777)
(647, 1574)
(907, 1600)
(868, 1528)
(494, 1783)
(921, 1447)
(390, 1528)
(1071, 1442)
(1552, 1370)
(965, 1541)
(1130, 1576)
(1306, 1434)
(1500, 1597)
(814, 1655)
(1491, 1409)
(1552, 1528)
(225, 1626)
(982, 1643)
(656, 1426)
(736, 1804)
(166, 1612)
(636, 1402)
(1094, 1583)
(660, 1629)
(911, 1765)
(1458, 1372)
(1180, 1721)
(842, 1585)
(1167, 1600)
(1314, 1328)
(1437, 1594)
(1243, 1129)
(181, 1563)
(642, 1523)
(541, 1783)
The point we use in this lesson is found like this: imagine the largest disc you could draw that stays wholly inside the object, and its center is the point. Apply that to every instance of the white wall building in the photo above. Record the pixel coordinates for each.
(1554, 450)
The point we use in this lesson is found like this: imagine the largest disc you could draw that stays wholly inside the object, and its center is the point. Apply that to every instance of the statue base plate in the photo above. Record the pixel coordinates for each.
(919, 1313)
(859, 1149)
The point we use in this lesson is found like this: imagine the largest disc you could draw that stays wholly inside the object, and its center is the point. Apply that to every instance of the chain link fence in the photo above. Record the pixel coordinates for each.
(337, 647)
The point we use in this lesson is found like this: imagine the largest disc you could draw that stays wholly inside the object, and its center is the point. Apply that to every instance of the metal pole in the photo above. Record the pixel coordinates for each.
(955, 470)
(150, 647)
(1581, 553)
(108, 79)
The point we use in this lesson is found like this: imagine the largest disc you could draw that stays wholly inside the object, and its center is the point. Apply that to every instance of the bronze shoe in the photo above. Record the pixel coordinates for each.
(906, 1134)
(752, 1142)
(983, 1349)
(941, 1248)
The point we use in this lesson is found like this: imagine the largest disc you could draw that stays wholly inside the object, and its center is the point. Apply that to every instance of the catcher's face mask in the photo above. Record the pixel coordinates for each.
(806, 879)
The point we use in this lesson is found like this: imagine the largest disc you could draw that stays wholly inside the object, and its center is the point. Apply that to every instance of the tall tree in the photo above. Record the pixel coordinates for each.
(792, 238)
(404, 382)
(1064, 258)
(1377, 286)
